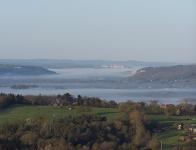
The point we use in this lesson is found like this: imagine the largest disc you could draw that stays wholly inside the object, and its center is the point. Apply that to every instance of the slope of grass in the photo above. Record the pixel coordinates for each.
(21, 112)
(172, 119)
(170, 136)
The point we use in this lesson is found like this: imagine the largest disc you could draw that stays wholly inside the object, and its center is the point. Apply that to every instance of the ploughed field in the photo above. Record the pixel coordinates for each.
(169, 136)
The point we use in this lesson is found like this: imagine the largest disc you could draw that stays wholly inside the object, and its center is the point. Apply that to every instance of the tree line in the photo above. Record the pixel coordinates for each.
(154, 107)
(67, 99)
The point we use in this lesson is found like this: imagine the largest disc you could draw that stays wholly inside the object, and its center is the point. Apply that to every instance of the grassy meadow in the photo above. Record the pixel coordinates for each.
(21, 112)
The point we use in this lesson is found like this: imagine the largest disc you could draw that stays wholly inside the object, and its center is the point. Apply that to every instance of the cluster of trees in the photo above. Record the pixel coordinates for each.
(9, 99)
(155, 108)
(85, 132)
(69, 100)
(59, 100)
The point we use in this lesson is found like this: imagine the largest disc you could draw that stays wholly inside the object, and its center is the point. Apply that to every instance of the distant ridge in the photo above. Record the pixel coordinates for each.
(23, 70)
(172, 76)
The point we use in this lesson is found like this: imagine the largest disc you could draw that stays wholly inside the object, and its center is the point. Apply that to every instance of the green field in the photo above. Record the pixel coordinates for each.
(21, 112)
(169, 137)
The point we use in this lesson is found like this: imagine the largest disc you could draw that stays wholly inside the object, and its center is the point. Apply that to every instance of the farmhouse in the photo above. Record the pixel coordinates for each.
(192, 128)
(180, 126)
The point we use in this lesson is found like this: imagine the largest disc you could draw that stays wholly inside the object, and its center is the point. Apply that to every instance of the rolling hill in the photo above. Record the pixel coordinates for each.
(173, 76)
(17, 70)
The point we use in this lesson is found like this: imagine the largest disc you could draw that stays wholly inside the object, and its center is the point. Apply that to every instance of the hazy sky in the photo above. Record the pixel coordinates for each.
(149, 30)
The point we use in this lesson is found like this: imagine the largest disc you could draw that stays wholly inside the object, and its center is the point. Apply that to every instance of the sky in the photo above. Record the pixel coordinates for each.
(147, 30)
